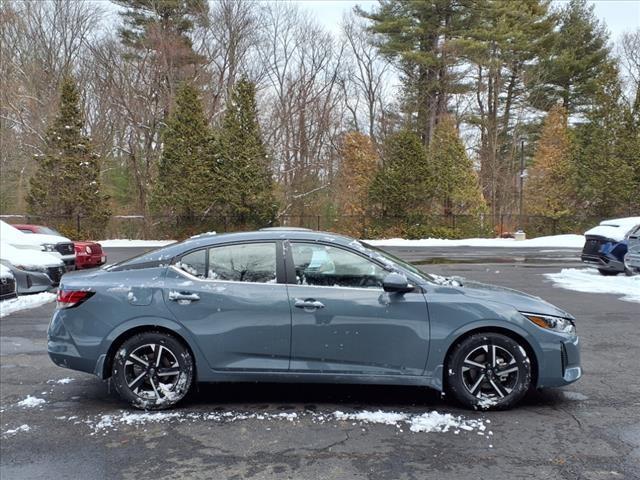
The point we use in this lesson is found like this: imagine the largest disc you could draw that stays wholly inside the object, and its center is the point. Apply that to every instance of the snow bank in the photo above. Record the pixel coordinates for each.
(123, 242)
(588, 280)
(561, 241)
(25, 302)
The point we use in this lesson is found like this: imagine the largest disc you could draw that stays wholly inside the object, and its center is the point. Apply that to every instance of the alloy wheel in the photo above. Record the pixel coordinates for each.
(152, 372)
(490, 372)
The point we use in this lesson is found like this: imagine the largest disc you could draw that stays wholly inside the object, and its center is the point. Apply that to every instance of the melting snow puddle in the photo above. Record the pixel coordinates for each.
(425, 422)
(588, 280)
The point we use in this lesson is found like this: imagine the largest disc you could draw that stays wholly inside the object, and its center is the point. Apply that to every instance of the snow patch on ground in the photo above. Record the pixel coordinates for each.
(25, 302)
(562, 241)
(424, 423)
(31, 402)
(588, 280)
(124, 242)
(21, 428)
(62, 381)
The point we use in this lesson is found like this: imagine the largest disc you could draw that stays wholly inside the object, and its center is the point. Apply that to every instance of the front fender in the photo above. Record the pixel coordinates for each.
(440, 347)
(145, 322)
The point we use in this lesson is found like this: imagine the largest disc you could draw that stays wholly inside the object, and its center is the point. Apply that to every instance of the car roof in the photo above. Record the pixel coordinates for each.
(280, 233)
(210, 239)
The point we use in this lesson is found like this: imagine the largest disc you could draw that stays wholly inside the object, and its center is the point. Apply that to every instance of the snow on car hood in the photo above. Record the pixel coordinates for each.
(13, 236)
(521, 301)
(615, 228)
(20, 256)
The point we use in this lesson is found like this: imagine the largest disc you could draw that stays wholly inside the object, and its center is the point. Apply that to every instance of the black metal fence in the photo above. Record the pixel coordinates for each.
(416, 226)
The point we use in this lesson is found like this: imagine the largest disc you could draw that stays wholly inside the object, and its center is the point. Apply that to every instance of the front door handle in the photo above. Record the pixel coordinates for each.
(183, 297)
(308, 304)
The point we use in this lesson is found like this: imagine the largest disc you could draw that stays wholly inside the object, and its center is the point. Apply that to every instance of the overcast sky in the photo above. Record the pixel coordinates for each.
(619, 15)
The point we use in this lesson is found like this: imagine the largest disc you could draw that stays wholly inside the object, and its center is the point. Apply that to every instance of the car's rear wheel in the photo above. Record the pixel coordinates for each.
(607, 273)
(489, 371)
(152, 370)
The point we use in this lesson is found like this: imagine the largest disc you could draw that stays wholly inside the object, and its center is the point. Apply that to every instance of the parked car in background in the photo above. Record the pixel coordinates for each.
(632, 258)
(300, 306)
(54, 244)
(7, 283)
(34, 271)
(605, 245)
(88, 254)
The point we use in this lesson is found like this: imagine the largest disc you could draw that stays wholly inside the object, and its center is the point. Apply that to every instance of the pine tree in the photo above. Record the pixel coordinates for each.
(163, 27)
(456, 189)
(601, 158)
(244, 158)
(570, 71)
(359, 163)
(418, 36)
(549, 188)
(67, 179)
(188, 183)
(403, 185)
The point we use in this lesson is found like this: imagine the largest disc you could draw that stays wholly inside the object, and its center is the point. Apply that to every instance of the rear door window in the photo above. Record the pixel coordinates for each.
(250, 262)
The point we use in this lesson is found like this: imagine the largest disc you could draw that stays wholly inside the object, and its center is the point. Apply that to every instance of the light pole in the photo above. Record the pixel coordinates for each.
(521, 192)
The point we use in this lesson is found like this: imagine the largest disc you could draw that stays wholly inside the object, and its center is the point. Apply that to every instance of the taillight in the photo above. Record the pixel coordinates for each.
(72, 298)
(88, 249)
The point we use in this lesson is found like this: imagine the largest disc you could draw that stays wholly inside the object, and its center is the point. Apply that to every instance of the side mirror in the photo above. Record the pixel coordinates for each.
(396, 283)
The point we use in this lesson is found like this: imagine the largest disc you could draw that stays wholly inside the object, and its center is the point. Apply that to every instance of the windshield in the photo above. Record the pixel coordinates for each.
(395, 260)
(48, 231)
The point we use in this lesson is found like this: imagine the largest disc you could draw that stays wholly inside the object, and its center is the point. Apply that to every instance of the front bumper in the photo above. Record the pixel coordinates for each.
(603, 262)
(90, 261)
(31, 282)
(560, 364)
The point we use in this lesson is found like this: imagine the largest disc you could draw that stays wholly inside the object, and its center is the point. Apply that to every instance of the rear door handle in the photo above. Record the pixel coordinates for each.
(183, 297)
(308, 304)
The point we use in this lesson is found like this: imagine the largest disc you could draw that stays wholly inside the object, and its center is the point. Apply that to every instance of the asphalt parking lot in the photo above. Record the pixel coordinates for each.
(589, 430)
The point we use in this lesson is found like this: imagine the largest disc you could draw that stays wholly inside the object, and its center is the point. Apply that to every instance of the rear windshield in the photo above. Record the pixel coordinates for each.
(150, 259)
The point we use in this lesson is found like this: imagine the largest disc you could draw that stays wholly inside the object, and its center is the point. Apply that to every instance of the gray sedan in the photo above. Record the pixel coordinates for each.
(300, 306)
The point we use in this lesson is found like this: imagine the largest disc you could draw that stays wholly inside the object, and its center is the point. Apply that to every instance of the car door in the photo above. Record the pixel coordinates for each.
(344, 322)
(234, 301)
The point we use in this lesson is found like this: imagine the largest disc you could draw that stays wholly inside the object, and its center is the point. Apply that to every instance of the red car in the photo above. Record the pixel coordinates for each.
(88, 254)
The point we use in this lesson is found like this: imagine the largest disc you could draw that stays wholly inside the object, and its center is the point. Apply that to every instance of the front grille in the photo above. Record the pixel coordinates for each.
(55, 274)
(65, 248)
(592, 246)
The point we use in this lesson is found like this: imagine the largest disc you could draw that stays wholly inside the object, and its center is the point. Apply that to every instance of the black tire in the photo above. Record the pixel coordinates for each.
(147, 382)
(479, 384)
(607, 273)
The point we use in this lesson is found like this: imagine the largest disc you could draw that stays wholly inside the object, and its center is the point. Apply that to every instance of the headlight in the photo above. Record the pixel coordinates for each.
(49, 247)
(549, 322)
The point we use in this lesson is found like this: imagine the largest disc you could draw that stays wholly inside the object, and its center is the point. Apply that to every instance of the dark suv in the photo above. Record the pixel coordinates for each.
(606, 245)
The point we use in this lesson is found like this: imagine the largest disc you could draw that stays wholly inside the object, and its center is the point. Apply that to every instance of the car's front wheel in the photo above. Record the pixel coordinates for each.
(489, 371)
(152, 370)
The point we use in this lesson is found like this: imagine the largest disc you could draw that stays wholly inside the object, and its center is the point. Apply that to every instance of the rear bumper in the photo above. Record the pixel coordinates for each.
(62, 349)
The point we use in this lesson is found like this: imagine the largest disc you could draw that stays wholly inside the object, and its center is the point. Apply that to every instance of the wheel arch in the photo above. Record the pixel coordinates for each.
(104, 371)
(531, 353)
